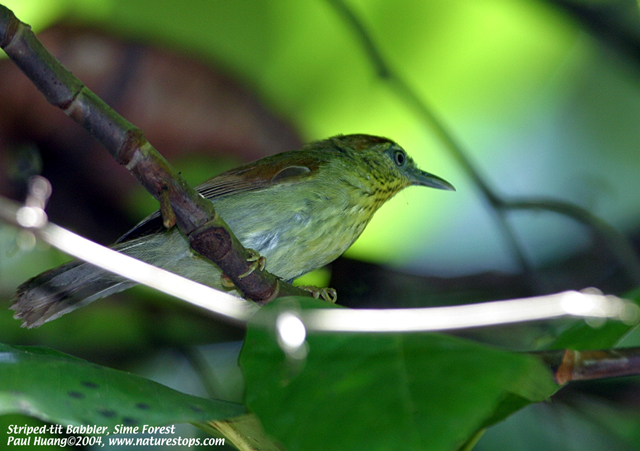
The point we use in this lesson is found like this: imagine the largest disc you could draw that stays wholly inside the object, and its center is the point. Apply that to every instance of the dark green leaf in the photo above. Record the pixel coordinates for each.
(57, 387)
(384, 391)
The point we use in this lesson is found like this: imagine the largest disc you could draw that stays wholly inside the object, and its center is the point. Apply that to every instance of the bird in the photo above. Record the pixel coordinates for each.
(299, 209)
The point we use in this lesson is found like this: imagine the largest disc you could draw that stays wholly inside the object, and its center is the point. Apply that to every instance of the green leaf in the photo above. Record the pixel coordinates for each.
(384, 391)
(583, 336)
(60, 388)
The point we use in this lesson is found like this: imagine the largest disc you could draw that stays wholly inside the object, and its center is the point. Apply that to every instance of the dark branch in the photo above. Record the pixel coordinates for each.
(208, 234)
(569, 365)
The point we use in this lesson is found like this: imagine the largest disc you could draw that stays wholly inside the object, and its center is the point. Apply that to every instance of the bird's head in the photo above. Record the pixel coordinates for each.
(381, 165)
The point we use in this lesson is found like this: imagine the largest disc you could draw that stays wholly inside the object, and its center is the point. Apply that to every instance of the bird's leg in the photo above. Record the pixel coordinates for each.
(327, 294)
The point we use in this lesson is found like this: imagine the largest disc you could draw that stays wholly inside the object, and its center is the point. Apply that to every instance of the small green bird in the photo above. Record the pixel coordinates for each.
(300, 210)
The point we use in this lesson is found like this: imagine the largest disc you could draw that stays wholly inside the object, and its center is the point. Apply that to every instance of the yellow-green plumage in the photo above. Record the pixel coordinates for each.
(300, 210)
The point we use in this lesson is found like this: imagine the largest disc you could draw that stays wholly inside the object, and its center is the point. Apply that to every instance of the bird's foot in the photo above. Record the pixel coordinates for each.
(257, 262)
(327, 294)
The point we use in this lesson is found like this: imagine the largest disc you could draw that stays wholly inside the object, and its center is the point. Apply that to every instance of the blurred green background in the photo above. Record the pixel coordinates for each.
(540, 105)
(543, 96)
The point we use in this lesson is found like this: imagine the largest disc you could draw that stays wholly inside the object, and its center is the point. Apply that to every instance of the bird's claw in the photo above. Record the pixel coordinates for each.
(327, 294)
(257, 262)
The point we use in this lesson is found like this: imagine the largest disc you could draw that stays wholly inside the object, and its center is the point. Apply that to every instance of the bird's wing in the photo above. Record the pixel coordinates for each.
(269, 171)
(263, 173)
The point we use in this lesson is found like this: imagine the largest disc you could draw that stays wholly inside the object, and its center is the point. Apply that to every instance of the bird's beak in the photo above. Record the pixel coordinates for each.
(422, 178)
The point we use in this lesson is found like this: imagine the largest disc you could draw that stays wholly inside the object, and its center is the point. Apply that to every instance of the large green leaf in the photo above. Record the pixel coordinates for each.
(384, 391)
(57, 387)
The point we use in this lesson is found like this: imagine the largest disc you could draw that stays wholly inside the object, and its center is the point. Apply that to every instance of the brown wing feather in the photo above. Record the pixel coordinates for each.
(280, 168)
(268, 171)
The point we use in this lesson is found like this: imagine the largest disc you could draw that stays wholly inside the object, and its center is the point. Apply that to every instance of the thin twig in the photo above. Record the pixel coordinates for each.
(500, 207)
(619, 245)
(33, 220)
(569, 365)
(384, 71)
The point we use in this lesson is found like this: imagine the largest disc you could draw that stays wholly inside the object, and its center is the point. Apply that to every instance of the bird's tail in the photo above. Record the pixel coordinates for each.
(75, 284)
(63, 289)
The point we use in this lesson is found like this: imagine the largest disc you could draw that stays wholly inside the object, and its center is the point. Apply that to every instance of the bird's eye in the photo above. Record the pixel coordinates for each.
(399, 157)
